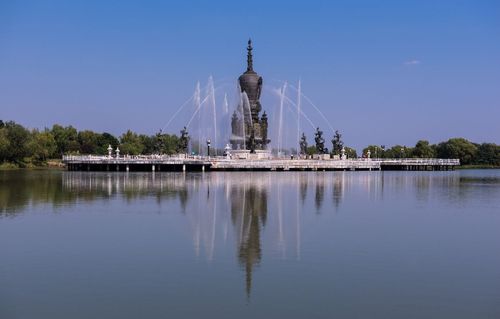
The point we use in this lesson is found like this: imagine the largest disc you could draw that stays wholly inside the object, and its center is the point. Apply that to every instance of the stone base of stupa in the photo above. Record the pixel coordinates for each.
(246, 155)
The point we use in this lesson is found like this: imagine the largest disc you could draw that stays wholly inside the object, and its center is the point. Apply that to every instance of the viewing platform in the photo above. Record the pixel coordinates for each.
(205, 163)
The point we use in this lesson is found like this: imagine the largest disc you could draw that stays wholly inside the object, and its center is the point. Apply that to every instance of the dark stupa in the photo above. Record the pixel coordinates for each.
(249, 131)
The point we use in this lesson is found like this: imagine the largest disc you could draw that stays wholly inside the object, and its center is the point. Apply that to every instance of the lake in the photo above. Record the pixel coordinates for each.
(250, 244)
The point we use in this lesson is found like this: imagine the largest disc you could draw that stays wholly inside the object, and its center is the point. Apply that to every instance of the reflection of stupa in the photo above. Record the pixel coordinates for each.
(248, 214)
(248, 130)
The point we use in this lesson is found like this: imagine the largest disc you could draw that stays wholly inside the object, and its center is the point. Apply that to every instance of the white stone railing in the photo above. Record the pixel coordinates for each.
(221, 161)
(132, 158)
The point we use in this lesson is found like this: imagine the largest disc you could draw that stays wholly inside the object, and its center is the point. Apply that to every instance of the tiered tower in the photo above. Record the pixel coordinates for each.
(249, 130)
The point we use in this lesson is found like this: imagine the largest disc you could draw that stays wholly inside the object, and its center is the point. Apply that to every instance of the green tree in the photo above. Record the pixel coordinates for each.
(4, 143)
(89, 142)
(131, 144)
(423, 150)
(66, 139)
(169, 144)
(149, 143)
(350, 152)
(488, 154)
(399, 151)
(42, 145)
(459, 148)
(375, 151)
(106, 139)
(18, 138)
(311, 150)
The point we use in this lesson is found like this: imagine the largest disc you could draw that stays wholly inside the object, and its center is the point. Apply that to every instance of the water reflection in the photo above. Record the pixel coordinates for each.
(248, 216)
(320, 190)
(257, 212)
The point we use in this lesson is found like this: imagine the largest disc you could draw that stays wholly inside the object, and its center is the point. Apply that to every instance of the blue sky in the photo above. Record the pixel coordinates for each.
(382, 72)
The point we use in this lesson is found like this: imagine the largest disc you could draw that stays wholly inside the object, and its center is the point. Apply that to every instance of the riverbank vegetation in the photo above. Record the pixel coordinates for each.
(22, 147)
(485, 155)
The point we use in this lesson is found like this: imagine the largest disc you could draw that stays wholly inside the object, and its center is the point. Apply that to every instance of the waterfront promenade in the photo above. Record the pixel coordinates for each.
(205, 163)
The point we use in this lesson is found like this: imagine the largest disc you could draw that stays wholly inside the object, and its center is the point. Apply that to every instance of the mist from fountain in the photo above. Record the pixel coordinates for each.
(246, 102)
(197, 105)
(299, 100)
(211, 94)
(285, 108)
(280, 124)
(225, 105)
(243, 125)
(317, 109)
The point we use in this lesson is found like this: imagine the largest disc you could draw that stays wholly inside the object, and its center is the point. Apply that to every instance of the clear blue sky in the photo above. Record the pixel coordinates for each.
(383, 72)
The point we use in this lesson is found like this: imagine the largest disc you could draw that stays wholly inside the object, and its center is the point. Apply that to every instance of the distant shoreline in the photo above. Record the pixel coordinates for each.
(56, 164)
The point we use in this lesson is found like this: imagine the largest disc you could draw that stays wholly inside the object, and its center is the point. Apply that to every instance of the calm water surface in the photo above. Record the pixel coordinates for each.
(248, 245)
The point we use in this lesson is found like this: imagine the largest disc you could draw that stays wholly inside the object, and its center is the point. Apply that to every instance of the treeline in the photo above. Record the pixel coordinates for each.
(469, 153)
(22, 147)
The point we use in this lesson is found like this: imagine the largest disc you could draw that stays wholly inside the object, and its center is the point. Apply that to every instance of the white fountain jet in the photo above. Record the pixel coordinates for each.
(197, 106)
(211, 97)
(299, 92)
(280, 124)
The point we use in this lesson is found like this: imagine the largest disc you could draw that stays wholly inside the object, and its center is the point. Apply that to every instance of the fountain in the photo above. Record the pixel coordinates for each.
(247, 133)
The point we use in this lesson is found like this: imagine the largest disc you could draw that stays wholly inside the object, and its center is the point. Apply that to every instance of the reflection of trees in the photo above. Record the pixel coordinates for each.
(248, 214)
(18, 189)
(303, 186)
(320, 191)
(338, 189)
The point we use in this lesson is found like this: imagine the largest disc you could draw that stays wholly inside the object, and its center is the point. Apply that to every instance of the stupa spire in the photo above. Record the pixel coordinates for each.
(249, 56)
